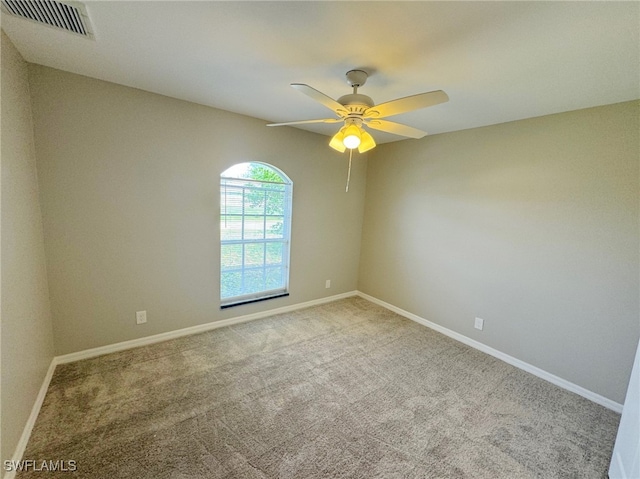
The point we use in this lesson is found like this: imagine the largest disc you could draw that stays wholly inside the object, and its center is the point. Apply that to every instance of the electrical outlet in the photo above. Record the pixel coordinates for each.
(141, 317)
(479, 324)
(327, 284)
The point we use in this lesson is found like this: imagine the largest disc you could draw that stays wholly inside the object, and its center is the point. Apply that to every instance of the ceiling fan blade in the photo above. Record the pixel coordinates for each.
(395, 128)
(408, 103)
(320, 97)
(326, 120)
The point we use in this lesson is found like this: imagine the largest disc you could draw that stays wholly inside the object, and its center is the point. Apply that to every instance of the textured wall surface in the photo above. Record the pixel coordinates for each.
(27, 338)
(531, 225)
(130, 192)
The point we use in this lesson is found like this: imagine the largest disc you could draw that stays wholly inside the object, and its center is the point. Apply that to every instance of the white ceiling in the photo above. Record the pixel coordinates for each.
(497, 61)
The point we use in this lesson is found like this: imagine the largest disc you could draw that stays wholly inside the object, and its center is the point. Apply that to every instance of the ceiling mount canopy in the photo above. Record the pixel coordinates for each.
(358, 111)
(357, 78)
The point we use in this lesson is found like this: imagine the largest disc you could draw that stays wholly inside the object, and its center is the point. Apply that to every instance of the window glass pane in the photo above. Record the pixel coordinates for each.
(230, 228)
(253, 171)
(274, 278)
(274, 227)
(230, 284)
(231, 200)
(253, 281)
(253, 227)
(231, 256)
(275, 203)
(254, 254)
(254, 201)
(274, 253)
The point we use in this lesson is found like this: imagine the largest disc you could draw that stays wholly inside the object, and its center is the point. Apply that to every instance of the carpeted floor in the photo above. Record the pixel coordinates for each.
(342, 390)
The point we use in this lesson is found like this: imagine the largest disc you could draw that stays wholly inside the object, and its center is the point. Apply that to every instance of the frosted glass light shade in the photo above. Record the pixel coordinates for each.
(367, 142)
(352, 135)
(336, 142)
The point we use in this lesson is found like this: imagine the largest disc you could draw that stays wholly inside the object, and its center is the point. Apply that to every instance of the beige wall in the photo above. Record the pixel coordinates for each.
(27, 339)
(530, 225)
(129, 189)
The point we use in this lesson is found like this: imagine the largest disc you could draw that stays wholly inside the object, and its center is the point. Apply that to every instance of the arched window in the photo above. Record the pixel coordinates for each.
(255, 231)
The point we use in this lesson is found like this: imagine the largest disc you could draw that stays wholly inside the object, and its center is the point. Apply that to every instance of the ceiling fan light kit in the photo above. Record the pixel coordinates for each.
(358, 111)
(352, 136)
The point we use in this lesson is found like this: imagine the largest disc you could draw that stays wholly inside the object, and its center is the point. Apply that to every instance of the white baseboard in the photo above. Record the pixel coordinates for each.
(563, 383)
(31, 421)
(201, 328)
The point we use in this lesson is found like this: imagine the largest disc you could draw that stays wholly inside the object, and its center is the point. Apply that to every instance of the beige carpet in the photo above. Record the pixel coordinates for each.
(343, 390)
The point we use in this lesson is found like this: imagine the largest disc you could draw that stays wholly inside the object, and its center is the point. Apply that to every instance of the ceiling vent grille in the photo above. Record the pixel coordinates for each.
(69, 16)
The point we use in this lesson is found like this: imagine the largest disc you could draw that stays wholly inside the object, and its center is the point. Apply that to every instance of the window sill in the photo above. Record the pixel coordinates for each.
(252, 300)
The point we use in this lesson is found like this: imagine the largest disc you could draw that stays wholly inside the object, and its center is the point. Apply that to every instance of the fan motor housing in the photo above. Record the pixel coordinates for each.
(356, 102)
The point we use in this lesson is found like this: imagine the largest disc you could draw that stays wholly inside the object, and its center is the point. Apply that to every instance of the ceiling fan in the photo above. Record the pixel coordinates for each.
(356, 111)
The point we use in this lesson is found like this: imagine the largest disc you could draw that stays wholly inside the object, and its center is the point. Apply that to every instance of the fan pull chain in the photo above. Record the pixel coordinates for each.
(349, 173)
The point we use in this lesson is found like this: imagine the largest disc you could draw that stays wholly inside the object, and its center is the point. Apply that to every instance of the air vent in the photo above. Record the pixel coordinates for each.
(69, 16)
